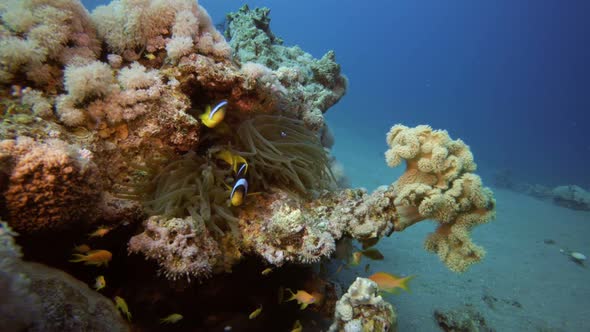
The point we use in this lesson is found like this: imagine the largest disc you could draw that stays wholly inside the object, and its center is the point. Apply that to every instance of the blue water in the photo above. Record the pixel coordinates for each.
(510, 78)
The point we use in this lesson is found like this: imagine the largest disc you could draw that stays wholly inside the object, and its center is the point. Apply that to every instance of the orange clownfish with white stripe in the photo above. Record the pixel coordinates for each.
(238, 192)
(213, 117)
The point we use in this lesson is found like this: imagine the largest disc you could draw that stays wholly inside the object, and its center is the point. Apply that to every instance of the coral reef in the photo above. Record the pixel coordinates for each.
(309, 86)
(363, 309)
(102, 125)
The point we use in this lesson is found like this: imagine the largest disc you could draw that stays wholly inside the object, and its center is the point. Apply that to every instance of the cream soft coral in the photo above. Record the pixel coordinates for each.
(439, 184)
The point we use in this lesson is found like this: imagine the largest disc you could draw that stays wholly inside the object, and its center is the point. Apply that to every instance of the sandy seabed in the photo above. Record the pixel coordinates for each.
(525, 283)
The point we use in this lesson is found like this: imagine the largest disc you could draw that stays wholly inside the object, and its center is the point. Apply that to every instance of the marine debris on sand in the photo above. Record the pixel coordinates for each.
(109, 122)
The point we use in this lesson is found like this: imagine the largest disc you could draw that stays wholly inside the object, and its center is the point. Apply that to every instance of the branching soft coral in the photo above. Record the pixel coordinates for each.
(39, 36)
(179, 26)
(439, 184)
(94, 97)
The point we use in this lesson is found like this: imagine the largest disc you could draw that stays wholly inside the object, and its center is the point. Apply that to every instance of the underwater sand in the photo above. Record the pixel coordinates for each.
(523, 284)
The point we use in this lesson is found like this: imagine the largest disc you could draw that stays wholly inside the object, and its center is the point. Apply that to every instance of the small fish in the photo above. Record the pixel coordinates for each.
(150, 56)
(391, 283)
(100, 283)
(369, 242)
(255, 313)
(171, 319)
(367, 267)
(237, 162)
(93, 257)
(267, 271)
(302, 297)
(297, 327)
(339, 268)
(356, 258)
(82, 249)
(122, 306)
(373, 254)
(239, 192)
(100, 232)
(213, 117)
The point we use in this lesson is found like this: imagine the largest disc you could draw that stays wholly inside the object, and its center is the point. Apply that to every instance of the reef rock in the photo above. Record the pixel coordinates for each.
(572, 197)
(36, 297)
(463, 319)
(363, 309)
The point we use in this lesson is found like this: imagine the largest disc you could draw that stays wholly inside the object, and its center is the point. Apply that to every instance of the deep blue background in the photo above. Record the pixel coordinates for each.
(509, 77)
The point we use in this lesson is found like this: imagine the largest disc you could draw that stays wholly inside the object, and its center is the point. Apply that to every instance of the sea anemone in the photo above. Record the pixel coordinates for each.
(281, 151)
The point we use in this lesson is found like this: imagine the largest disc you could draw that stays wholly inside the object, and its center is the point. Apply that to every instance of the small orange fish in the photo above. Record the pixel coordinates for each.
(93, 257)
(82, 249)
(302, 297)
(297, 327)
(390, 283)
(100, 283)
(122, 306)
(255, 313)
(171, 319)
(100, 232)
(356, 258)
(266, 271)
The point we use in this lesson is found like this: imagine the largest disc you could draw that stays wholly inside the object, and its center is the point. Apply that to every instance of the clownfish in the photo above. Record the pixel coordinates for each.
(238, 192)
(237, 162)
(213, 117)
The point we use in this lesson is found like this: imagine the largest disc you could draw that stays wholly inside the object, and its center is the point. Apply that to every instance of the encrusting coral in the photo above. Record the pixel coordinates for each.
(182, 247)
(363, 309)
(51, 186)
